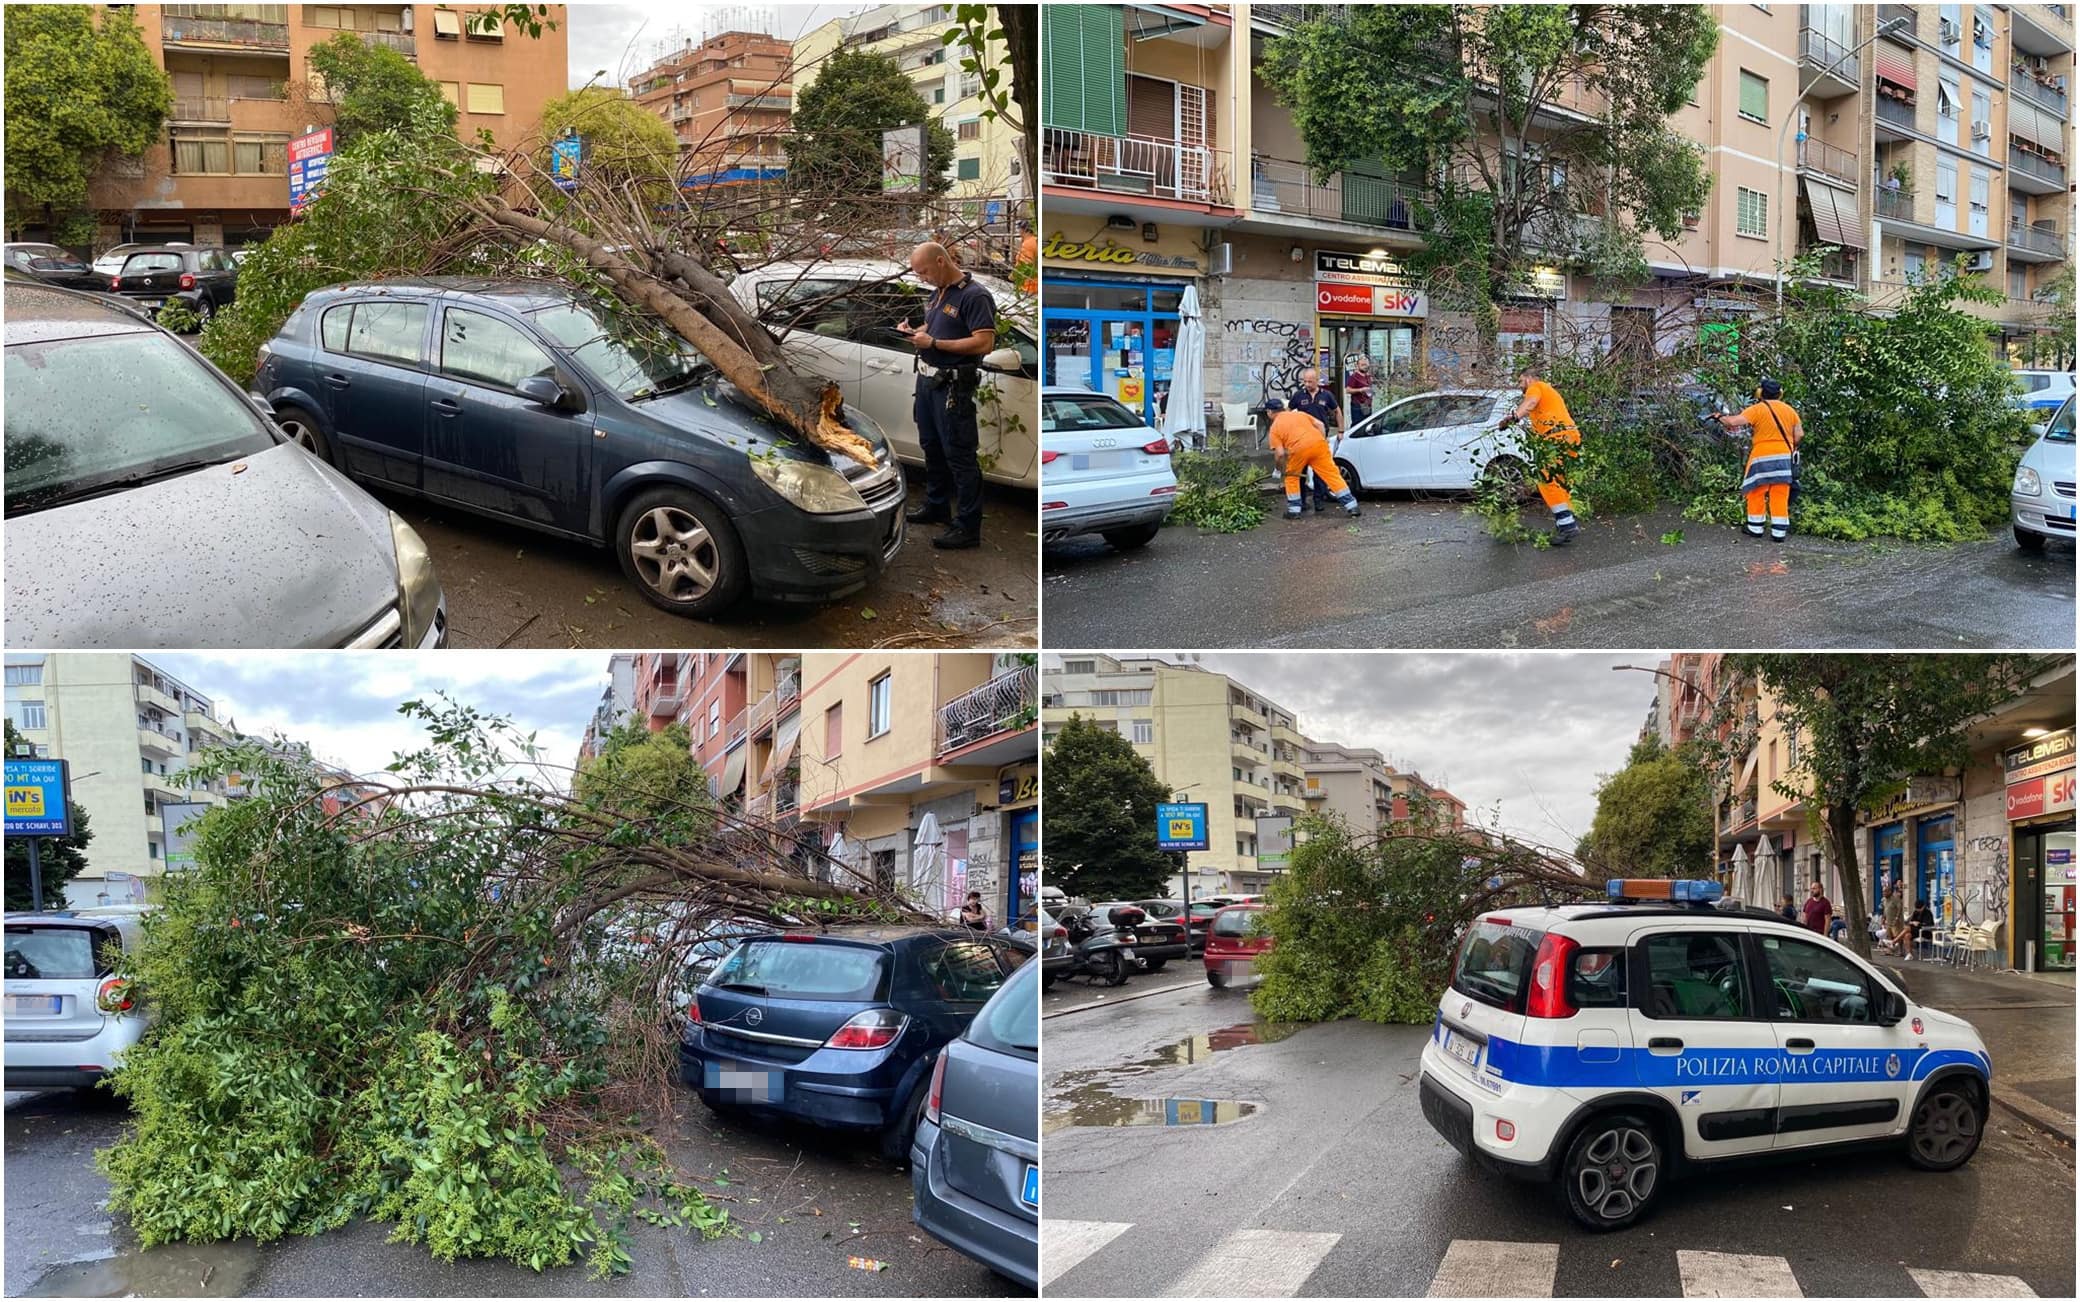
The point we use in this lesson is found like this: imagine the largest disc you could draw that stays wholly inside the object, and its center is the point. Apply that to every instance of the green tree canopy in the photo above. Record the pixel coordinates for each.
(620, 134)
(59, 859)
(1540, 132)
(374, 88)
(81, 88)
(1653, 817)
(834, 139)
(1098, 816)
(637, 769)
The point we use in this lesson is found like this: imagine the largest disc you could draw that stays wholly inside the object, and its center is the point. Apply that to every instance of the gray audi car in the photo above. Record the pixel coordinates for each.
(151, 503)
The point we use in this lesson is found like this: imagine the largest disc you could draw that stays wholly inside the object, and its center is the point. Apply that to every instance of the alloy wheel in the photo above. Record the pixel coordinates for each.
(674, 553)
(1617, 1171)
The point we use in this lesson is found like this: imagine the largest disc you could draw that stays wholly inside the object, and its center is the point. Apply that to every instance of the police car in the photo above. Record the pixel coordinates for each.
(1610, 1045)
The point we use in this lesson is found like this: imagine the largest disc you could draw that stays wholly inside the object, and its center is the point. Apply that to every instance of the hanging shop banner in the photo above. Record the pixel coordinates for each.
(2040, 796)
(309, 156)
(2039, 757)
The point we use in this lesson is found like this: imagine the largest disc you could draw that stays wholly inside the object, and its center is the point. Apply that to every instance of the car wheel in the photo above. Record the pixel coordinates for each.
(2027, 541)
(1140, 535)
(1047, 980)
(1156, 964)
(302, 429)
(203, 312)
(1215, 979)
(897, 1134)
(1947, 1125)
(1112, 968)
(682, 553)
(1350, 476)
(1613, 1171)
(1508, 475)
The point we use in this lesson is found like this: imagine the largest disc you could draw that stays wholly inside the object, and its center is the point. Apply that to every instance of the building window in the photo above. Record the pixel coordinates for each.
(1068, 667)
(1750, 212)
(938, 94)
(1754, 97)
(485, 25)
(967, 169)
(28, 714)
(260, 155)
(1144, 732)
(487, 97)
(971, 129)
(25, 675)
(451, 91)
(879, 696)
(834, 731)
(447, 24)
(206, 154)
(714, 720)
(2018, 286)
(144, 764)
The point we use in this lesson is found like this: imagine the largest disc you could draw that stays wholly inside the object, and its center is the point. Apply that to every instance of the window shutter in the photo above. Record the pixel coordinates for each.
(1084, 87)
(1754, 95)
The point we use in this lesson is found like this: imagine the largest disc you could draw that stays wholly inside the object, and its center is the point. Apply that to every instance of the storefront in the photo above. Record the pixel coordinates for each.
(1109, 312)
(2040, 788)
(1367, 305)
(1935, 858)
(1017, 806)
(1888, 863)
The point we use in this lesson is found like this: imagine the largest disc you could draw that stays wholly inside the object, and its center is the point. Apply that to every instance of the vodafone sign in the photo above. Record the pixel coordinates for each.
(2038, 796)
(1336, 298)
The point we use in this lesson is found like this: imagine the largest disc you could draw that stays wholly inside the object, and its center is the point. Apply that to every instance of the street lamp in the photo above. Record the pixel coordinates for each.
(1885, 28)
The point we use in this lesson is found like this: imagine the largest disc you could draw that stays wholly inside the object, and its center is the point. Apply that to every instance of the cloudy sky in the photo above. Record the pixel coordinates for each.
(1525, 734)
(622, 40)
(345, 706)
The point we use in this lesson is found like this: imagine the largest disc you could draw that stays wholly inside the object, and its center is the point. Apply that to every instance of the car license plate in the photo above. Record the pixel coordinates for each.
(746, 1084)
(1465, 1050)
(35, 1005)
(152, 302)
(1030, 1193)
(1096, 460)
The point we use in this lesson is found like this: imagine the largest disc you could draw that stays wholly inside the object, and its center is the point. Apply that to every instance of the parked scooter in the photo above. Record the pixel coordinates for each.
(1104, 947)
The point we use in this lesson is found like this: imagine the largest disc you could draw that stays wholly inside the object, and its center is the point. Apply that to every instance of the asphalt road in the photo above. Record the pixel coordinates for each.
(816, 1199)
(509, 586)
(1421, 573)
(1328, 1182)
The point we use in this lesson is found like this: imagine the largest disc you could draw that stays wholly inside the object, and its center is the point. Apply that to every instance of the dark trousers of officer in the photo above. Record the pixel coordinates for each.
(948, 432)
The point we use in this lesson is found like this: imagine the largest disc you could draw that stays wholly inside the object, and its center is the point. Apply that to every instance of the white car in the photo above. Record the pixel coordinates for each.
(1442, 440)
(1610, 1046)
(840, 316)
(69, 1017)
(1108, 472)
(110, 263)
(2042, 391)
(2040, 504)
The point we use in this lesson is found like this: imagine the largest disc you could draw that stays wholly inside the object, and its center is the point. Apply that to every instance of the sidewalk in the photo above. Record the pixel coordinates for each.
(2027, 1023)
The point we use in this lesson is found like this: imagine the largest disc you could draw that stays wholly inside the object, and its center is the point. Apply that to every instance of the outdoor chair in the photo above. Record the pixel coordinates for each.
(1236, 418)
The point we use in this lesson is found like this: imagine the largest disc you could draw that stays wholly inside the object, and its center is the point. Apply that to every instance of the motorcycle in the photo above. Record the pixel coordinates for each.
(1104, 948)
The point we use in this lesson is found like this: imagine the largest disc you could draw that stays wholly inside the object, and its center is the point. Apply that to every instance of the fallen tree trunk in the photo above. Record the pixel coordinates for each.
(810, 408)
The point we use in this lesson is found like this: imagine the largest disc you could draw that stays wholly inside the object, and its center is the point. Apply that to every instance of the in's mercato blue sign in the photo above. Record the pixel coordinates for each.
(38, 798)
(1181, 826)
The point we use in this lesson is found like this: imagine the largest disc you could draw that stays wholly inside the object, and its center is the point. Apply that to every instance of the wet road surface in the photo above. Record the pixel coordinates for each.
(1335, 1185)
(1422, 573)
(509, 586)
(815, 1198)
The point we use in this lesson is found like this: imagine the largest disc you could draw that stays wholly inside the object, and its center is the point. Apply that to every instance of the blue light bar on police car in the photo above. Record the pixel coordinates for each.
(1635, 890)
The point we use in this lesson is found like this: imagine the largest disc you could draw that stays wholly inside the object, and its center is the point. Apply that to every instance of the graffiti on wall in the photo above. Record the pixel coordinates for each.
(1992, 894)
(1268, 355)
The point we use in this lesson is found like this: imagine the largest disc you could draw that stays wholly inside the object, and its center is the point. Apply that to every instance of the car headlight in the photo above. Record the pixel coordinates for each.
(2027, 484)
(418, 591)
(819, 490)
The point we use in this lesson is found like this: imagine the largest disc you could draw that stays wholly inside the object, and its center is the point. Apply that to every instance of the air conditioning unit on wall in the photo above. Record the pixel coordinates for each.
(1982, 130)
(1980, 261)
(1220, 260)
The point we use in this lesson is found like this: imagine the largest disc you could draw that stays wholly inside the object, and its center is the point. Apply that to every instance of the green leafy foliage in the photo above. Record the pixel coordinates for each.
(1224, 494)
(81, 88)
(375, 88)
(177, 316)
(58, 859)
(834, 135)
(1654, 816)
(1098, 816)
(622, 139)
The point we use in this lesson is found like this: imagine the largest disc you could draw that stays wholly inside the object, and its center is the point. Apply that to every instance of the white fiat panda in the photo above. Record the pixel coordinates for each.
(1609, 1045)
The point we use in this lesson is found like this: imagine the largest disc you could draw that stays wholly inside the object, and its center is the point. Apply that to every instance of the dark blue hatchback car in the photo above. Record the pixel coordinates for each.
(521, 402)
(839, 1028)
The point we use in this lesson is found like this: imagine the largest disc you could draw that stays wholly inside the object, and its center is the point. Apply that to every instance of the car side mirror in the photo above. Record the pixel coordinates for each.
(1892, 1007)
(2039, 429)
(543, 391)
(1005, 361)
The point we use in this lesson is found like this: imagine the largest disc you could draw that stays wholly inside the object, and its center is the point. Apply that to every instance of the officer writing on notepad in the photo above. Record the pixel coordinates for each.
(960, 327)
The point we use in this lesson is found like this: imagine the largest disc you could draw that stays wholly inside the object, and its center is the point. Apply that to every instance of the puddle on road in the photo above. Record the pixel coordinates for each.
(182, 1270)
(1090, 1096)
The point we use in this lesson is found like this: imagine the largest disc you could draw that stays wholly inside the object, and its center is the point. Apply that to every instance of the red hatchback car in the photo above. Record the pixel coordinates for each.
(1233, 943)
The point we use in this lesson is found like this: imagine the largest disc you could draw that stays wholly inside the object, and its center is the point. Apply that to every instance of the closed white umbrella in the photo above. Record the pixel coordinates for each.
(1184, 411)
(928, 866)
(1767, 862)
(1743, 881)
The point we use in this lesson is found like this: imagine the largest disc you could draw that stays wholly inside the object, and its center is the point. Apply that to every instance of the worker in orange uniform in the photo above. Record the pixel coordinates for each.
(1300, 443)
(1772, 458)
(1547, 411)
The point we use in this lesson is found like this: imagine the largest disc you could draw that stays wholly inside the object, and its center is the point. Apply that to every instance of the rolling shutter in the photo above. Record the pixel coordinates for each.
(2033, 124)
(1083, 86)
(1896, 66)
(1835, 216)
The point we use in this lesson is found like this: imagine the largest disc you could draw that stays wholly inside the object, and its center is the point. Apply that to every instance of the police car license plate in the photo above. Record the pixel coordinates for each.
(35, 1005)
(1029, 1193)
(1465, 1050)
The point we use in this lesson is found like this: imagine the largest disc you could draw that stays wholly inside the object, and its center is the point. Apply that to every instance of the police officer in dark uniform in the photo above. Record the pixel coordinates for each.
(1321, 404)
(960, 327)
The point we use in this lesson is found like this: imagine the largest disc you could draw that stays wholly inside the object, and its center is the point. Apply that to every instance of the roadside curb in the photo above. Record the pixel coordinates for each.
(1123, 999)
(2048, 1120)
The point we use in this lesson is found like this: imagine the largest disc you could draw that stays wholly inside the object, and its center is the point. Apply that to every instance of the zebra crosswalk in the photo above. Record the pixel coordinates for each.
(1279, 1263)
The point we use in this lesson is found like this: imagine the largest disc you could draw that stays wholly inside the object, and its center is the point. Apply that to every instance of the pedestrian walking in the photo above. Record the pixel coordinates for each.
(1300, 445)
(960, 326)
(1546, 411)
(1320, 403)
(1896, 930)
(1357, 382)
(973, 915)
(1819, 909)
(1772, 458)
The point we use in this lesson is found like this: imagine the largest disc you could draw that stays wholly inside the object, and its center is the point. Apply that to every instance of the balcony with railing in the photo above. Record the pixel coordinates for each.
(157, 742)
(1128, 165)
(1837, 265)
(2042, 94)
(667, 701)
(402, 42)
(1890, 13)
(205, 25)
(770, 103)
(1836, 70)
(1284, 186)
(2043, 239)
(1739, 818)
(201, 108)
(147, 694)
(2034, 173)
(1897, 204)
(1895, 113)
(2042, 29)
(994, 723)
(1827, 160)
(736, 727)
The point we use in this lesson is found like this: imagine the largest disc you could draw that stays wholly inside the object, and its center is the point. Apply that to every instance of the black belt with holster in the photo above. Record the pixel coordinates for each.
(960, 378)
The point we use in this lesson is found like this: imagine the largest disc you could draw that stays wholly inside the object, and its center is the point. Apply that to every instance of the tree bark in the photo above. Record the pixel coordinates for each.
(1022, 45)
(1841, 827)
(810, 408)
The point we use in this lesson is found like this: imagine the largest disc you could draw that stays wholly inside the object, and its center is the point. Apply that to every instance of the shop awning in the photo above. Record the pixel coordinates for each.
(2034, 125)
(1835, 218)
(1896, 66)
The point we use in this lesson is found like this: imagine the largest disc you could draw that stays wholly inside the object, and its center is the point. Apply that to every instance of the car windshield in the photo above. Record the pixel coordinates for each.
(1234, 922)
(635, 359)
(1062, 412)
(2061, 430)
(144, 264)
(1010, 1021)
(50, 954)
(88, 416)
(784, 969)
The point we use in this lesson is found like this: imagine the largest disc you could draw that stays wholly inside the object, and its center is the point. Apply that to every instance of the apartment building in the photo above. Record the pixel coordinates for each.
(129, 730)
(986, 185)
(243, 87)
(617, 701)
(1167, 162)
(727, 101)
(917, 771)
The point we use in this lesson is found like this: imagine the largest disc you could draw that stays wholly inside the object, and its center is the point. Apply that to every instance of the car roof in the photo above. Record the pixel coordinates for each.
(1593, 910)
(860, 268)
(520, 295)
(171, 248)
(875, 933)
(37, 312)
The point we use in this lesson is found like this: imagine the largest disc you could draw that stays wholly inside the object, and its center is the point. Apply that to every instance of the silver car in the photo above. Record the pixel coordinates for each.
(150, 503)
(70, 1018)
(975, 1160)
(2041, 502)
